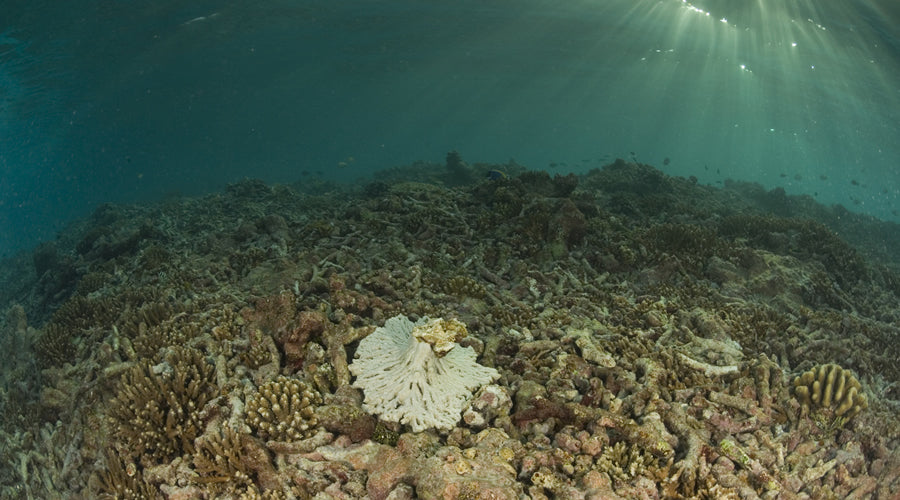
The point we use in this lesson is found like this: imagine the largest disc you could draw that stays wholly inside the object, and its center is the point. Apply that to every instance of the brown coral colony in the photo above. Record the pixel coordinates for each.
(830, 387)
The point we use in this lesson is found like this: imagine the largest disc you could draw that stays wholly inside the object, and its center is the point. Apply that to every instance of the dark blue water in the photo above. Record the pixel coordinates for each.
(135, 101)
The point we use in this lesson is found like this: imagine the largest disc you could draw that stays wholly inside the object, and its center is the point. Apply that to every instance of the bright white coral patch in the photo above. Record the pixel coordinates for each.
(405, 381)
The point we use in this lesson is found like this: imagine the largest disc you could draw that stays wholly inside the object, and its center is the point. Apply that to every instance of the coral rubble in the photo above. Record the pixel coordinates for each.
(617, 334)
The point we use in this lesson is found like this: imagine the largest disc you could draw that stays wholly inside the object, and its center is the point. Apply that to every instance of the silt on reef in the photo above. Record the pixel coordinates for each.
(742, 345)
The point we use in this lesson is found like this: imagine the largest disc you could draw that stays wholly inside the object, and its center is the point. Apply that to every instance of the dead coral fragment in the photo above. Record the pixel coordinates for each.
(832, 388)
(416, 374)
(284, 410)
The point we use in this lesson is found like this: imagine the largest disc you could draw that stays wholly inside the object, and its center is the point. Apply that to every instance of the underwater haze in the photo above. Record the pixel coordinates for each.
(120, 101)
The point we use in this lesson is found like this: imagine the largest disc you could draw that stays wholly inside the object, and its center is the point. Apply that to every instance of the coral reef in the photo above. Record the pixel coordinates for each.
(637, 336)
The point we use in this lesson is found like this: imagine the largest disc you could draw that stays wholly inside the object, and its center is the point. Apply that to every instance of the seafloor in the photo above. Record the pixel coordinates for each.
(648, 332)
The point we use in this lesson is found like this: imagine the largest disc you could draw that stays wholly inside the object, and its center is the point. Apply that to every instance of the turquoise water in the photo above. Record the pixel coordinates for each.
(137, 101)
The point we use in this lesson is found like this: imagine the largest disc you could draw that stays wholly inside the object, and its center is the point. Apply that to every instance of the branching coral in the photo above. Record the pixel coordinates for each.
(54, 347)
(464, 286)
(175, 331)
(219, 460)
(284, 410)
(117, 482)
(623, 462)
(156, 412)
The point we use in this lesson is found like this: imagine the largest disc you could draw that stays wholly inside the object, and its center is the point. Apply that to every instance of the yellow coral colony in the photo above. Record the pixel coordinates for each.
(284, 410)
(442, 334)
(830, 386)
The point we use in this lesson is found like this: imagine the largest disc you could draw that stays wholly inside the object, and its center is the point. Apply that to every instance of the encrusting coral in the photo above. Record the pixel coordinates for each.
(284, 410)
(416, 373)
(831, 388)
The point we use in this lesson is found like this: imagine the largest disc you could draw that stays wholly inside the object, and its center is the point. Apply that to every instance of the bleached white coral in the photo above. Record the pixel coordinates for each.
(416, 374)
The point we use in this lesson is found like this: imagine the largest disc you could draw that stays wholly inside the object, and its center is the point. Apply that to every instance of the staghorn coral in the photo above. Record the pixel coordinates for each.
(261, 350)
(149, 314)
(54, 347)
(178, 330)
(219, 461)
(80, 312)
(64, 335)
(284, 410)
(831, 391)
(155, 413)
(115, 482)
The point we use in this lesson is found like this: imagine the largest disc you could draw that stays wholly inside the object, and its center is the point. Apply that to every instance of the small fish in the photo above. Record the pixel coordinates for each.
(200, 19)
(494, 175)
(666, 160)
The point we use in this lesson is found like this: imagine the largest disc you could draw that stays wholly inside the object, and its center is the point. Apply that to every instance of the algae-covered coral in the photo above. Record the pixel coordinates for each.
(741, 345)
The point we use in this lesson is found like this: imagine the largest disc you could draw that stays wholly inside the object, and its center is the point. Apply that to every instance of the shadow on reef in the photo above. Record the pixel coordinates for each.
(651, 337)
